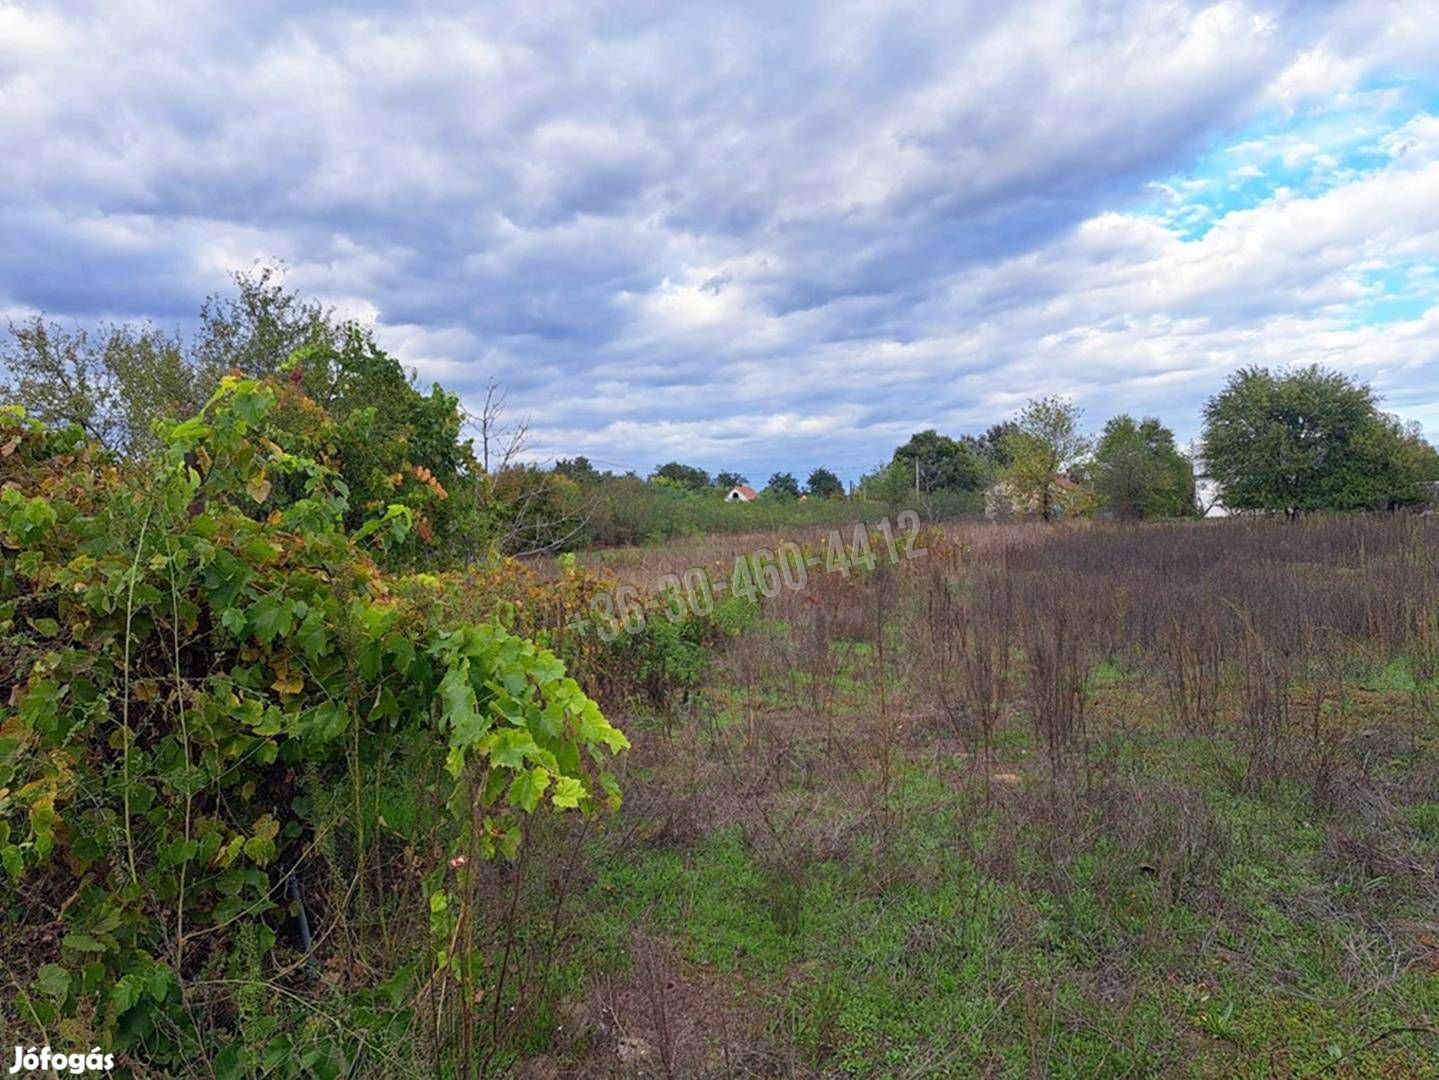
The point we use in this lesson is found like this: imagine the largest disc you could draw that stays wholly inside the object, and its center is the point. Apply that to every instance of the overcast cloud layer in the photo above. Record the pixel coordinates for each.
(754, 236)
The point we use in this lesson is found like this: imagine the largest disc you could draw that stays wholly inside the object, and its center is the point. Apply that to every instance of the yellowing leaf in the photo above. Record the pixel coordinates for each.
(228, 851)
(287, 681)
(258, 487)
(568, 793)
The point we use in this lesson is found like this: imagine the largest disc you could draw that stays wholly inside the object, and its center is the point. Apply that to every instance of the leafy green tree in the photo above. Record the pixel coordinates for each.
(824, 484)
(891, 483)
(111, 382)
(343, 396)
(685, 476)
(115, 381)
(944, 463)
(394, 443)
(1395, 463)
(1311, 439)
(256, 328)
(1138, 471)
(991, 447)
(782, 485)
(728, 480)
(578, 469)
(1042, 446)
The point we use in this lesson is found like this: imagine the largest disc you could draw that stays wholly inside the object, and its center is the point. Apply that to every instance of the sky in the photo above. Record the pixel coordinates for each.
(753, 236)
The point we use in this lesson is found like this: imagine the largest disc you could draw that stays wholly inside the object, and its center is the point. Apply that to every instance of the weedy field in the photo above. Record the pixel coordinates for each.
(1091, 801)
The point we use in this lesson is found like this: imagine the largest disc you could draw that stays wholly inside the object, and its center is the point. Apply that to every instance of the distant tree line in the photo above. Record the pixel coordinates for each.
(822, 482)
(1296, 441)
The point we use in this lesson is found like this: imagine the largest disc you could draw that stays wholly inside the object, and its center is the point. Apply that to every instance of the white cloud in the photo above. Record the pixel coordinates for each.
(739, 235)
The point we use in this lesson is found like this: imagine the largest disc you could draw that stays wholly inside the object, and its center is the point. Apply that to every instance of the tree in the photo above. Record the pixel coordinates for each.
(944, 463)
(823, 484)
(1042, 446)
(392, 442)
(685, 476)
(1138, 471)
(577, 469)
(990, 447)
(114, 381)
(1386, 465)
(501, 442)
(1312, 439)
(891, 483)
(345, 399)
(111, 383)
(782, 485)
(728, 480)
(256, 328)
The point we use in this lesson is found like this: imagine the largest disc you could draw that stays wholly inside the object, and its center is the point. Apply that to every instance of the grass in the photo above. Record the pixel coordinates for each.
(1110, 934)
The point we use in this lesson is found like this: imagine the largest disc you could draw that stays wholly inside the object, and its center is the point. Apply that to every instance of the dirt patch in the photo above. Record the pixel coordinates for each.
(663, 1017)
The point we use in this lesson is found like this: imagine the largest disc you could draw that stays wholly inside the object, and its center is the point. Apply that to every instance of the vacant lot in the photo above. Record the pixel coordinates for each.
(1016, 800)
(1075, 802)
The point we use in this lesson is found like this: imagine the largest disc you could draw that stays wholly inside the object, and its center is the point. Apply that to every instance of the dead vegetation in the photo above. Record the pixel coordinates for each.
(1077, 801)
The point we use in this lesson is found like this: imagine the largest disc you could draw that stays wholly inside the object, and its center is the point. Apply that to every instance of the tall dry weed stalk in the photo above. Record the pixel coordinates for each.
(969, 631)
(1192, 667)
(1057, 658)
(1264, 675)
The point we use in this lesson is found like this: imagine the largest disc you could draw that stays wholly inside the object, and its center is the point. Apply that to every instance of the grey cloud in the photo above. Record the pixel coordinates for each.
(878, 201)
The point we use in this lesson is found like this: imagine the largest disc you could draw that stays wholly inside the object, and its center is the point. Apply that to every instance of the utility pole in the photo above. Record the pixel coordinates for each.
(916, 474)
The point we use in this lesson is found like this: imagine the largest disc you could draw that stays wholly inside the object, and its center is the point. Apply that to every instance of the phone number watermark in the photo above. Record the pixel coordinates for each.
(759, 574)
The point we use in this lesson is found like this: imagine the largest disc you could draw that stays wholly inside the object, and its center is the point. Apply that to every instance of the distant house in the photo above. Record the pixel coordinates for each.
(741, 493)
(1002, 502)
(1207, 495)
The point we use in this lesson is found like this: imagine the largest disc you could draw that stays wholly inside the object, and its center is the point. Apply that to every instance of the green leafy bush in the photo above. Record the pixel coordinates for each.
(663, 661)
(209, 680)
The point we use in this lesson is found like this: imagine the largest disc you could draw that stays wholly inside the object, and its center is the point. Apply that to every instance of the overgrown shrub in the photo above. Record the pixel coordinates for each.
(662, 662)
(211, 687)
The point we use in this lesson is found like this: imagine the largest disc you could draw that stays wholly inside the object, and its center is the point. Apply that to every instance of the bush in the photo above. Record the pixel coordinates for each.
(212, 680)
(665, 660)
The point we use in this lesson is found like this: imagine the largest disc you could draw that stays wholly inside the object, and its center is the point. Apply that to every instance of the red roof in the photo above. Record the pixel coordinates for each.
(747, 493)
